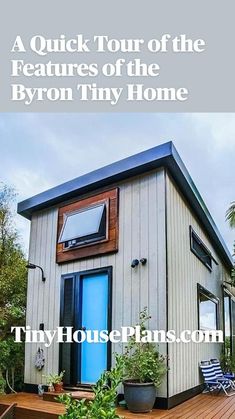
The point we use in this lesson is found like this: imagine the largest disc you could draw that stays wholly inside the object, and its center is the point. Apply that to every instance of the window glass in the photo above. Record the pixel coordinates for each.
(200, 250)
(207, 313)
(81, 224)
(227, 325)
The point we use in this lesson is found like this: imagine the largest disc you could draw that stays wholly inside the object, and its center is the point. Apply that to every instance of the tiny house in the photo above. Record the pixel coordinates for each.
(85, 234)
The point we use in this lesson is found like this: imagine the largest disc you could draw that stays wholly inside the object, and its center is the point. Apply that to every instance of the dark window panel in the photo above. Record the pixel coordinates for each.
(200, 249)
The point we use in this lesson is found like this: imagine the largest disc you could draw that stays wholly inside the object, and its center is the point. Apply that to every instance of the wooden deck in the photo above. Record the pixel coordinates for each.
(30, 406)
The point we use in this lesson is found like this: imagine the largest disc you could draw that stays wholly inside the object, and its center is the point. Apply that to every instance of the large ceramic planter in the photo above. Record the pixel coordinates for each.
(139, 397)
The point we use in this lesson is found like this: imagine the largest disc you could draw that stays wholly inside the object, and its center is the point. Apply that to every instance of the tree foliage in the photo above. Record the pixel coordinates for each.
(230, 215)
(12, 288)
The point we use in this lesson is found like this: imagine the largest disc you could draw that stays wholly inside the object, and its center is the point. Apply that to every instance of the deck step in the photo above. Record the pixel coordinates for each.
(31, 406)
(87, 389)
(78, 395)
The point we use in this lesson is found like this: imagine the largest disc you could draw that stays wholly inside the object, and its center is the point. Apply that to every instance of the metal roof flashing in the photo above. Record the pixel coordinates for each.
(163, 155)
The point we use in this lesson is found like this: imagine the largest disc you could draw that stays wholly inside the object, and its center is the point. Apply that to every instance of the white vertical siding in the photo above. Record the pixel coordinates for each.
(185, 270)
(141, 234)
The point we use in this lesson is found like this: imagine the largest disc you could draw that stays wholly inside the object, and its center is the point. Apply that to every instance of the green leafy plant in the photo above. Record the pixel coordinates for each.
(227, 359)
(54, 378)
(230, 217)
(13, 280)
(142, 361)
(103, 405)
(2, 385)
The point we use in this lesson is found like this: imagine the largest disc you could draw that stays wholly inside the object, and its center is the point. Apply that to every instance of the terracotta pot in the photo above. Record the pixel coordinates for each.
(58, 387)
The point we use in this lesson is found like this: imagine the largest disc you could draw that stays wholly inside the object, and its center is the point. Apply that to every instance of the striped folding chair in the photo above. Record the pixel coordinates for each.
(213, 383)
(219, 373)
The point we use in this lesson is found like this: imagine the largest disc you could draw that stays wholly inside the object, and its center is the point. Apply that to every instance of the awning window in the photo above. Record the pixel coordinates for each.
(84, 226)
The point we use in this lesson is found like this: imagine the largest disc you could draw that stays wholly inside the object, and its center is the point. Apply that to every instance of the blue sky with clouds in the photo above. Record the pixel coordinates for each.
(39, 151)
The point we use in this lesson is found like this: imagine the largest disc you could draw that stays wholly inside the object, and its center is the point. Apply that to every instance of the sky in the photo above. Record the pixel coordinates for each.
(39, 151)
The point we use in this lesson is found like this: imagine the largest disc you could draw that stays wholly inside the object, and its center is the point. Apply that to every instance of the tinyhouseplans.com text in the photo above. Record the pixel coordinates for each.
(68, 335)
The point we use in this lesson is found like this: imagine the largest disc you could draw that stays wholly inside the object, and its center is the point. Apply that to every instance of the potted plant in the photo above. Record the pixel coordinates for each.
(144, 369)
(56, 380)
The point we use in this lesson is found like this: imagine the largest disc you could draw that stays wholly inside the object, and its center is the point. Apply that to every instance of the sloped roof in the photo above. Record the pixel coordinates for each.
(164, 155)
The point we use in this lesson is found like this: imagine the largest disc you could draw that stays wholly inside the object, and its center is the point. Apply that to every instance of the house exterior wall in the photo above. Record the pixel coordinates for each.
(184, 271)
(141, 234)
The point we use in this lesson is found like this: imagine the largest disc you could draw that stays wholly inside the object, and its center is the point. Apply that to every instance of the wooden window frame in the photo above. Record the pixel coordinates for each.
(100, 247)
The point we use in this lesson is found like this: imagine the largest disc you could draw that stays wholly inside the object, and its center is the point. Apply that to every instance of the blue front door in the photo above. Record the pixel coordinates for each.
(94, 291)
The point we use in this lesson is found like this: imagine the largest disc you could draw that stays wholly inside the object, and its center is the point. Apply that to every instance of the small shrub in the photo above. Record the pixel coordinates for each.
(2, 385)
(227, 359)
(142, 361)
(103, 405)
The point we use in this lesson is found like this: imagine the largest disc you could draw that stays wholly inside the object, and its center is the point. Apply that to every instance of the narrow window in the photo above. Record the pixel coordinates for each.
(84, 226)
(227, 325)
(67, 320)
(207, 309)
(200, 249)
